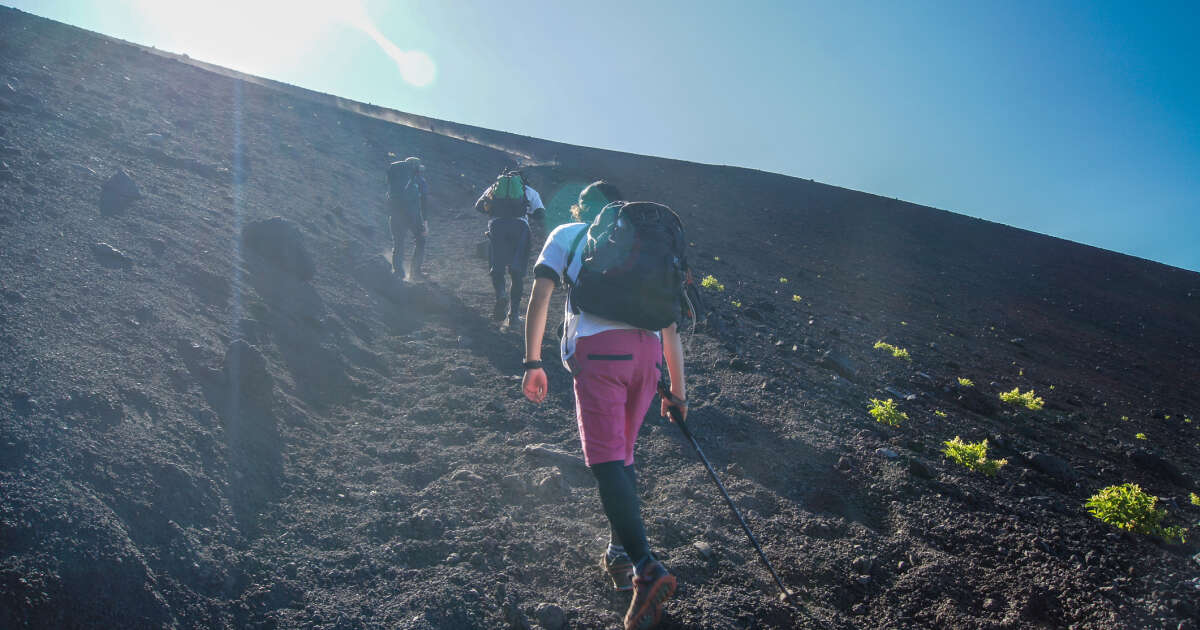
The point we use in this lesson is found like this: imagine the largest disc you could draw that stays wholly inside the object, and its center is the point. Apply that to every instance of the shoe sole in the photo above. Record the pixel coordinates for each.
(651, 612)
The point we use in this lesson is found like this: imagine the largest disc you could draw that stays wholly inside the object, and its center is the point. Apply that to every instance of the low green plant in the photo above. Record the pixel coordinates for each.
(709, 282)
(939, 413)
(1124, 418)
(885, 411)
(1140, 436)
(966, 382)
(736, 304)
(1194, 498)
(899, 353)
(973, 455)
(796, 298)
(1129, 508)
(1015, 397)
(783, 281)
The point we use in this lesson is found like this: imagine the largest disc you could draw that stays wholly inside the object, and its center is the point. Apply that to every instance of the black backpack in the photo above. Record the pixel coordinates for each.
(506, 199)
(633, 265)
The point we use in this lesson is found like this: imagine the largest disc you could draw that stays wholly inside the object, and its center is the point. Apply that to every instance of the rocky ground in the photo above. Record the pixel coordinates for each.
(213, 418)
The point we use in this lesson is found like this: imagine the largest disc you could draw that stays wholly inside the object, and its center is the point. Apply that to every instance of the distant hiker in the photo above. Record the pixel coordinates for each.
(615, 364)
(509, 204)
(408, 196)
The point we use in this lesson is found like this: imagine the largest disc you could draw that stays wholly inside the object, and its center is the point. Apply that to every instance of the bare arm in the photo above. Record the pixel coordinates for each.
(534, 384)
(673, 352)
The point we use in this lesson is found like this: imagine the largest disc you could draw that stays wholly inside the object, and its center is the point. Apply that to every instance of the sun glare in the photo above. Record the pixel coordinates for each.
(263, 37)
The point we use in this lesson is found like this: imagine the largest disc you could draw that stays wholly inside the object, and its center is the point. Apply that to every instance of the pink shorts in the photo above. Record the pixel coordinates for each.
(615, 372)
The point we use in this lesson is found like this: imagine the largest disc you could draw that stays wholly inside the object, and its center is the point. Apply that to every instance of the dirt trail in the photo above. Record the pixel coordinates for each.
(201, 427)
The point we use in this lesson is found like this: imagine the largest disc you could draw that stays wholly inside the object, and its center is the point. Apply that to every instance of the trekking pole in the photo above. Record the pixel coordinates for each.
(665, 392)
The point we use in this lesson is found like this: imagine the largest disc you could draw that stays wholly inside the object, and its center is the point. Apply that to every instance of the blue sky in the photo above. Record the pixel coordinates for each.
(1079, 120)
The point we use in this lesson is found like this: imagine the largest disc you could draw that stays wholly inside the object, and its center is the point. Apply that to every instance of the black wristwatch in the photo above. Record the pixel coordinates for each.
(532, 365)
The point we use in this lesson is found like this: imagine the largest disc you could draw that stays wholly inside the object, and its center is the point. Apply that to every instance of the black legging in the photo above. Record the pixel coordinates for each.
(508, 252)
(618, 495)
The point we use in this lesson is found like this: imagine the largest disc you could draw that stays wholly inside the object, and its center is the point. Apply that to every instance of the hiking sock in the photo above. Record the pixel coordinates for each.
(614, 550)
(622, 507)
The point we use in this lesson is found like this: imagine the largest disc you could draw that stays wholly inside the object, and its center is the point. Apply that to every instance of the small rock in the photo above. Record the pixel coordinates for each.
(1051, 465)
(550, 616)
(155, 139)
(466, 476)
(919, 468)
(739, 364)
(118, 193)
(462, 376)
(453, 558)
(1017, 341)
(863, 564)
(843, 464)
(902, 566)
(704, 549)
(552, 485)
(840, 364)
(110, 256)
(991, 604)
(887, 452)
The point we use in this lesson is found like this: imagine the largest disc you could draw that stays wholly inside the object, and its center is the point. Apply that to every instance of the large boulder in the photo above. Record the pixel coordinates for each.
(279, 241)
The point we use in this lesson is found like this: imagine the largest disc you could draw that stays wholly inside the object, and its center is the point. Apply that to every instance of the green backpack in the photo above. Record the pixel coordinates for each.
(507, 197)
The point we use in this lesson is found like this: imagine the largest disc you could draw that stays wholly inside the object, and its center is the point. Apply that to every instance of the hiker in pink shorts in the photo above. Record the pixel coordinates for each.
(616, 367)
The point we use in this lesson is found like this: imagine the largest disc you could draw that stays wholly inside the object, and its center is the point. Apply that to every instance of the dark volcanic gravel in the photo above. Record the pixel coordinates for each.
(208, 419)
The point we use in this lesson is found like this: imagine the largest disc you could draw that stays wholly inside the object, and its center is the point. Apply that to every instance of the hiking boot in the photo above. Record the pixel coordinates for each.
(650, 592)
(500, 308)
(619, 568)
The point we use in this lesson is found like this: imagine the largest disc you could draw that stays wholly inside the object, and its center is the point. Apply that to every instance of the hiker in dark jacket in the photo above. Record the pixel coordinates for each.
(408, 197)
(616, 369)
(510, 202)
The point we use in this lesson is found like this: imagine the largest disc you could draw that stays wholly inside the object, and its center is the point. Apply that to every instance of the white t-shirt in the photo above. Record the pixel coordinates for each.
(550, 264)
(531, 195)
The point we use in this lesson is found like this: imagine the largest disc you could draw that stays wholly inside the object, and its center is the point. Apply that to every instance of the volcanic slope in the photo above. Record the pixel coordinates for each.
(213, 419)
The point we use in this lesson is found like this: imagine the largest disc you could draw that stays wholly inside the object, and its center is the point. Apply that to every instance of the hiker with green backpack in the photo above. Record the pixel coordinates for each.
(623, 264)
(509, 202)
(408, 196)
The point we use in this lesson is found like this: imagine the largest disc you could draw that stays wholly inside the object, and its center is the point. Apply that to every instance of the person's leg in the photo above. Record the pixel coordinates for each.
(497, 265)
(418, 230)
(614, 540)
(517, 270)
(622, 508)
(603, 367)
(398, 227)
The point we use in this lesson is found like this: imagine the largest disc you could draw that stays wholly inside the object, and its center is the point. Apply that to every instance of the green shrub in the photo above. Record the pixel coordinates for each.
(709, 282)
(1028, 399)
(736, 304)
(1140, 436)
(939, 413)
(783, 281)
(796, 298)
(899, 353)
(966, 382)
(1194, 498)
(1127, 507)
(885, 411)
(973, 455)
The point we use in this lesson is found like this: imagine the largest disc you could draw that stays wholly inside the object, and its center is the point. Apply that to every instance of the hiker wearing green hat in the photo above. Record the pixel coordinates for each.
(615, 365)
(408, 196)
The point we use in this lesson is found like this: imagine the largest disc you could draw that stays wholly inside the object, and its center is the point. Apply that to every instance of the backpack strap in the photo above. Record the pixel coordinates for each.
(571, 253)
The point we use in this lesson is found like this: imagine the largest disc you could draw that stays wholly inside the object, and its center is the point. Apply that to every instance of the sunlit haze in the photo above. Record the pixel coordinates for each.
(1076, 119)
